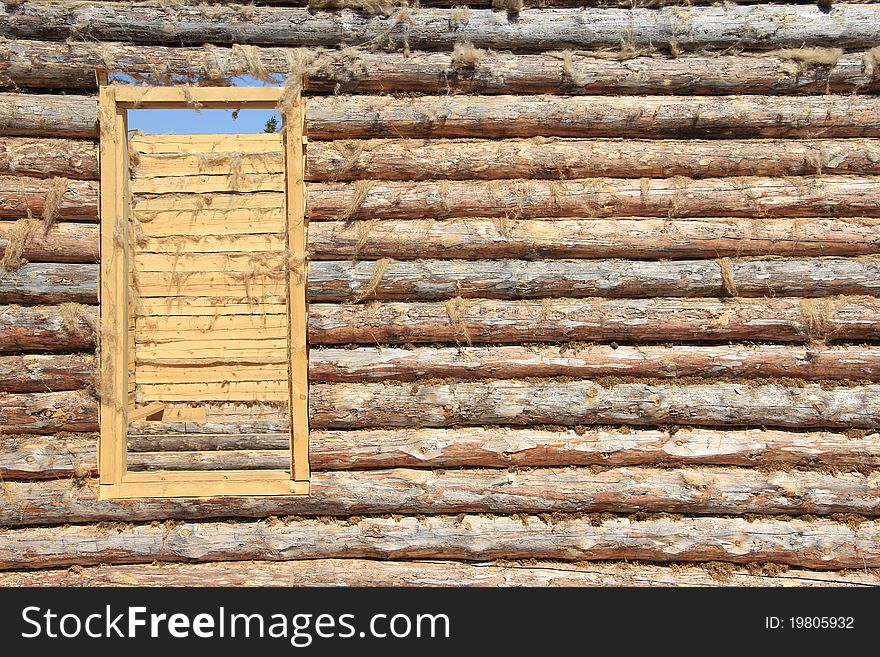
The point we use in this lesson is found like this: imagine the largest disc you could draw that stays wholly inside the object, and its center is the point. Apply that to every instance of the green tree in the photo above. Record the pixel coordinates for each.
(271, 125)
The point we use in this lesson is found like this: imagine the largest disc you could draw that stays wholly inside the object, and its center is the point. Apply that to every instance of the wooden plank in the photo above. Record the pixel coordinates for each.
(114, 288)
(144, 412)
(181, 348)
(210, 374)
(180, 202)
(233, 336)
(213, 244)
(181, 145)
(212, 306)
(183, 414)
(207, 489)
(206, 97)
(225, 391)
(195, 356)
(213, 224)
(209, 262)
(248, 158)
(219, 323)
(298, 308)
(203, 184)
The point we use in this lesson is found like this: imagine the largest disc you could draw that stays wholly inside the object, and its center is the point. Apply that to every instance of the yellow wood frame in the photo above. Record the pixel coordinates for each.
(115, 480)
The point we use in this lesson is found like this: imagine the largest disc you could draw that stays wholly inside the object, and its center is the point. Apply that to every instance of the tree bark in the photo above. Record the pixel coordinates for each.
(42, 329)
(346, 281)
(649, 320)
(46, 373)
(819, 544)
(65, 242)
(18, 195)
(531, 239)
(653, 117)
(47, 115)
(48, 412)
(750, 26)
(753, 197)
(48, 158)
(704, 490)
(50, 283)
(28, 456)
(409, 159)
(370, 572)
(71, 65)
(593, 361)
(591, 238)
(524, 403)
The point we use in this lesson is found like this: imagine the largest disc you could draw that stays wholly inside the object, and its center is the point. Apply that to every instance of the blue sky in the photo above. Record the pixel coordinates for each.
(201, 122)
(198, 122)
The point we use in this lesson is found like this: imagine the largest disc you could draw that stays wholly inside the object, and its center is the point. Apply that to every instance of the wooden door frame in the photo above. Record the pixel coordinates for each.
(115, 480)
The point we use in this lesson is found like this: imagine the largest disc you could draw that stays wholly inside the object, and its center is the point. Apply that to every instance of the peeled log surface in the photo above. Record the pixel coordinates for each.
(19, 194)
(750, 26)
(754, 197)
(45, 373)
(71, 65)
(370, 572)
(47, 158)
(819, 544)
(523, 403)
(532, 239)
(623, 320)
(344, 117)
(426, 280)
(409, 159)
(591, 238)
(48, 412)
(519, 403)
(42, 329)
(65, 242)
(549, 320)
(704, 490)
(347, 281)
(593, 361)
(46, 115)
(50, 283)
(27, 456)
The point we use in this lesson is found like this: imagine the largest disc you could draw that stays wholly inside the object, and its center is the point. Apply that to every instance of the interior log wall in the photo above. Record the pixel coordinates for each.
(596, 306)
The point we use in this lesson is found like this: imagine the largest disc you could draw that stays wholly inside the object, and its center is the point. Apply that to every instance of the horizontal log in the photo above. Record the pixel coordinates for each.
(50, 283)
(748, 26)
(819, 544)
(71, 65)
(46, 373)
(591, 238)
(654, 117)
(48, 412)
(553, 320)
(593, 361)
(519, 403)
(20, 195)
(43, 329)
(370, 572)
(46, 115)
(48, 158)
(27, 456)
(476, 321)
(65, 242)
(530, 239)
(704, 490)
(454, 159)
(754, 197)
(523, 403)
(347, 281)
(521, 279)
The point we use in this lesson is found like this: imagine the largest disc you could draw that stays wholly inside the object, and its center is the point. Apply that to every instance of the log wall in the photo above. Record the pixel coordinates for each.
(593, 297)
